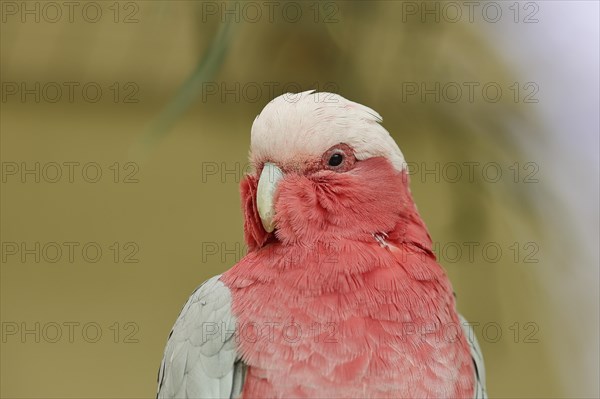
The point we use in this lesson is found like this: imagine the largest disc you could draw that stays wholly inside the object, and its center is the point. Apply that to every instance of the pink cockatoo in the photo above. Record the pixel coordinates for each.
(340, 294)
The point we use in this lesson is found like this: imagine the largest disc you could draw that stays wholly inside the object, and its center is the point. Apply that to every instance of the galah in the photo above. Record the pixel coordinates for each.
(340, 294)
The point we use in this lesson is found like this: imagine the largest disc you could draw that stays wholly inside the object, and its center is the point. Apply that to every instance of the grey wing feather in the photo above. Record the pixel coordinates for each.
(200, 359)
(477, 357)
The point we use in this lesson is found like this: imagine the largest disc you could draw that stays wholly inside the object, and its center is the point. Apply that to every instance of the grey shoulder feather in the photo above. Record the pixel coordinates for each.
(477, 357)
(200, 359)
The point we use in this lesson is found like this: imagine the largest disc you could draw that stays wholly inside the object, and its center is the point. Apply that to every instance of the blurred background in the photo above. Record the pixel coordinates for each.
(125, 132)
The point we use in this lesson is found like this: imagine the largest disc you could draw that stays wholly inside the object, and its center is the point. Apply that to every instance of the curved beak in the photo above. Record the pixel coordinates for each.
(265, 194)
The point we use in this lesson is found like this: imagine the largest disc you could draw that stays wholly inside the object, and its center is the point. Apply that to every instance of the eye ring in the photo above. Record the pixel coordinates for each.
(336, 159)
(339, 158)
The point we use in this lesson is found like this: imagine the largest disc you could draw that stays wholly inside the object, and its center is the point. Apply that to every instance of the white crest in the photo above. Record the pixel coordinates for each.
(309, 123)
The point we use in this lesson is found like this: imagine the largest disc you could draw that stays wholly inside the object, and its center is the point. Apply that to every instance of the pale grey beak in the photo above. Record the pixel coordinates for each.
(265, 194)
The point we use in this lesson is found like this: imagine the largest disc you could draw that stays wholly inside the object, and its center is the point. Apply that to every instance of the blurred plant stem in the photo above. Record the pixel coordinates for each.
(208, 66)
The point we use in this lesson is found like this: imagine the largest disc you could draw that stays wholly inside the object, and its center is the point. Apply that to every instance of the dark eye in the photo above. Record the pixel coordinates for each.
(336, 159)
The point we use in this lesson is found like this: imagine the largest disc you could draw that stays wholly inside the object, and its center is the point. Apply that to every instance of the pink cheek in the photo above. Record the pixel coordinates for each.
(365, 200)
(297, 208)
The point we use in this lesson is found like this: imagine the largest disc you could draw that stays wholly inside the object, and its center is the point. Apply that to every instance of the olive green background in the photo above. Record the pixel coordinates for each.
(181, 151)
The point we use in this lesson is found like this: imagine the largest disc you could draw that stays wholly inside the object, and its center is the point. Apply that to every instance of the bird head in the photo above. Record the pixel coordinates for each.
(324, 169)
